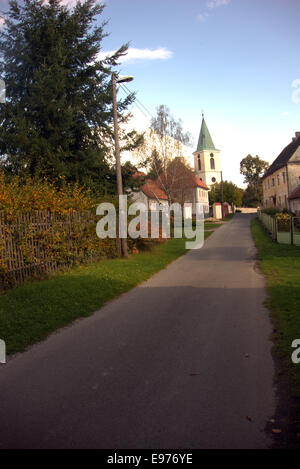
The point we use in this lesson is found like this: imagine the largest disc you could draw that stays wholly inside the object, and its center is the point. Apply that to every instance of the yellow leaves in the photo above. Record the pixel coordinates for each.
(17, 195)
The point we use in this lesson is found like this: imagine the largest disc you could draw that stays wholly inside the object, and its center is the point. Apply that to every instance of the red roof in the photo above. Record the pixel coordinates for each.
(139, 174)
(151, 190)
(189, 181)
(200, 183)
(295, 194)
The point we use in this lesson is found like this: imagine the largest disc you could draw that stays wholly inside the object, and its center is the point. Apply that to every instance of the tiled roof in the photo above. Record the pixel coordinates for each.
(151, 190)
(295, 194)
(200, 183)
(139, 174)
(284, 157)
(189, 181)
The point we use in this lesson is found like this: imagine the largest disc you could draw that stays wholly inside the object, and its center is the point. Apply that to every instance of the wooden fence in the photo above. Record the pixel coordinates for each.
(35, 243)
(288, 233)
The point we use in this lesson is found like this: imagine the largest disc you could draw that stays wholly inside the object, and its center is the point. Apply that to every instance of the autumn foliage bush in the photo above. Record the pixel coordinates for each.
(44, 227)
(19, 195)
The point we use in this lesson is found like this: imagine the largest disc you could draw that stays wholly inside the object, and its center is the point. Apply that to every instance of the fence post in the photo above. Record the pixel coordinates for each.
(292, 230)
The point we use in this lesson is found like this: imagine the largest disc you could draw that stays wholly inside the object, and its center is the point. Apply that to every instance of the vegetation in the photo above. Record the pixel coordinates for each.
(231, 193)
(281, 265)
(252, 168)
(30, 312)
(161, 153)
(57, 120)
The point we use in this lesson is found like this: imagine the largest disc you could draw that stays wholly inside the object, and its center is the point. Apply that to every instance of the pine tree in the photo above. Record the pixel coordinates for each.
(57, 118)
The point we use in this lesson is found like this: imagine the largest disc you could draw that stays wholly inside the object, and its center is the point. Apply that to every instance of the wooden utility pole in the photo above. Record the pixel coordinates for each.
(222, 194)
(118, 159)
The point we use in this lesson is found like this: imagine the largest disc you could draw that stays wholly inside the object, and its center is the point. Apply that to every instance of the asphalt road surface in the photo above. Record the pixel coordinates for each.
(183, 361)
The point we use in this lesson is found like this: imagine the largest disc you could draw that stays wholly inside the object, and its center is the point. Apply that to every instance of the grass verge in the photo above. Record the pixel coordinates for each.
(32, 311)
(281, 265)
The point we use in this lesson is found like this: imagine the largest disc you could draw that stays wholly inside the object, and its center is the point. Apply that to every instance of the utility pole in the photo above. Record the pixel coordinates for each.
(118, 159)
(222, 194)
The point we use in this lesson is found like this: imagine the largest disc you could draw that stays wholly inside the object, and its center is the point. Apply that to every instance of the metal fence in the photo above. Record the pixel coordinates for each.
(283, 233)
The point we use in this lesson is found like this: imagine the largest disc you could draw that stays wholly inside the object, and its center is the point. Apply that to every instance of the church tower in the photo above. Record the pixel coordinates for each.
(207, 158)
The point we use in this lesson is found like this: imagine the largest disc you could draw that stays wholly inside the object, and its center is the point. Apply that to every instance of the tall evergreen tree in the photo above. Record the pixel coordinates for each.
(58, 115)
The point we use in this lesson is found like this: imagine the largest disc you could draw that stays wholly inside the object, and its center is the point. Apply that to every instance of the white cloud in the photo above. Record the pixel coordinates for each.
(202, 16)
(133, 54)
(296, 93)
(211, 5)
(285, 114)
(216, 3)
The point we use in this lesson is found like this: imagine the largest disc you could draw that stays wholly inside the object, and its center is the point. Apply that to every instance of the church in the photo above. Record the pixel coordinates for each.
(190, 190)
(207, 158)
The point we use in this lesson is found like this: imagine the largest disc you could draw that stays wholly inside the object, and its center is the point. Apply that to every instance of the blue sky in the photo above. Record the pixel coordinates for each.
(235, 59)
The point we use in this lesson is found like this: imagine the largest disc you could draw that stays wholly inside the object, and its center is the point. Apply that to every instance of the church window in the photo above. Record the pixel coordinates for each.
(199, 163)
(212, 163)
(213, 179)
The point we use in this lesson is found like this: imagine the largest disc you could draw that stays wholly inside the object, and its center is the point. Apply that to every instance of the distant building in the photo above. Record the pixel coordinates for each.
(207, 158)
(281, 182)
(188, 190)
(150, 193)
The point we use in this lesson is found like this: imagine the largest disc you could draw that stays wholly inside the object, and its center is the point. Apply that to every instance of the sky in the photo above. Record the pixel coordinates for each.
(236, 60)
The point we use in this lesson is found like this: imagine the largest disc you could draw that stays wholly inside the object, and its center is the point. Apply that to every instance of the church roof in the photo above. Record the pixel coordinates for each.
(205, 141)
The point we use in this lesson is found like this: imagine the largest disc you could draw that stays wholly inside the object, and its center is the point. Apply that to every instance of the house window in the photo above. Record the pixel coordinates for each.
(278, 179)
(285, 201)
(283, 178)
(279, 199)
(199, 163)
(273, 182)
(269, 183)
(212, 162)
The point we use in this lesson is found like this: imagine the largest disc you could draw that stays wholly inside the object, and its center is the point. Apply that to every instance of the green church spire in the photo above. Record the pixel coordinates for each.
(205, 141)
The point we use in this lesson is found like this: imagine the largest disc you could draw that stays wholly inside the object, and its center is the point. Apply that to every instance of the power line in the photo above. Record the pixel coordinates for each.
(138, 101)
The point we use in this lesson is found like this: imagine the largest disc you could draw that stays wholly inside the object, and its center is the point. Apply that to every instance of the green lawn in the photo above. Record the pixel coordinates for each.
(281, 265)
(32, 311)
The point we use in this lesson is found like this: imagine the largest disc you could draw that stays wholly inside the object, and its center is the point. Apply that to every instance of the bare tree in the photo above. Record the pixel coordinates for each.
(162, 144)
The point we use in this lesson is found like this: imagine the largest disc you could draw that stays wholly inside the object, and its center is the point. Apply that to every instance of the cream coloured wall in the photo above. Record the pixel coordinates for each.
(275, 189)
(295, 206)
(278, 186)
(294, 175)
(206, 174)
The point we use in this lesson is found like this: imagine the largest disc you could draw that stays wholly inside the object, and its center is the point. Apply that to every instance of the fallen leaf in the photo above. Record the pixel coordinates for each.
(249, 418)
(271, 421)
(276, 431)
(298, 435)
(195, 374)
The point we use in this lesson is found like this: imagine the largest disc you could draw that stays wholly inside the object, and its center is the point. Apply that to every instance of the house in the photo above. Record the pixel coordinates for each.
(282, 179)
(182, 184)
(150, 193)
(294, 200)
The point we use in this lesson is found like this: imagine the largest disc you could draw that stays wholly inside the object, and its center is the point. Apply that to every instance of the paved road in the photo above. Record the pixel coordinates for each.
(122, 378)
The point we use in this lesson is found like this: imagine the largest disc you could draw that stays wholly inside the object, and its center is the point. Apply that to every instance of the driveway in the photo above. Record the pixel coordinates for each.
(182, 361)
